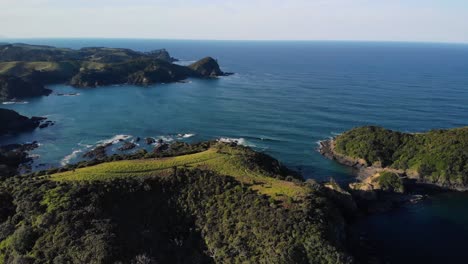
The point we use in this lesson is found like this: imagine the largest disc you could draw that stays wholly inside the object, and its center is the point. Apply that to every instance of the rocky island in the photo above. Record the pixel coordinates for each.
(208, 202)
(25, 69)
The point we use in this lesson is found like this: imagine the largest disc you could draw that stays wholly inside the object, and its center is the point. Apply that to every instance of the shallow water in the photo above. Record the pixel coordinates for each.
(284, 97)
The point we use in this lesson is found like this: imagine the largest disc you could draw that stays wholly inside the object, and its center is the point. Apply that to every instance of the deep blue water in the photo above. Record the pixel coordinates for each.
(284, 97)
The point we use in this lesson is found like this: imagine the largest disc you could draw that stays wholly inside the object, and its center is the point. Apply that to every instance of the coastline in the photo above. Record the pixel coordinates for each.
(363, 171)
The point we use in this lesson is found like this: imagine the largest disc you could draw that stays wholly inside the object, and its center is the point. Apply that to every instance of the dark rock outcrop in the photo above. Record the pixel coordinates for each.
(13, 156)
(207, 67)
(127, 146)
(100, 152)
(161, 147)
(12, 122)
(12, 87)
(150, 140)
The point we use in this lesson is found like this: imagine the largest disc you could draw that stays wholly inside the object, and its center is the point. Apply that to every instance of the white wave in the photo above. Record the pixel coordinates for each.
(336, 133)
(34, 156)
(15, 102)
(240, 141)
(84, 145)
(166, 138)
(188, 135)
(71, 94)
(113, 140)
(66, 160)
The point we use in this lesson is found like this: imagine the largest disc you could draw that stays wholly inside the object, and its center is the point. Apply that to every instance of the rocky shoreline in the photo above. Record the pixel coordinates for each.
(12, 122)
(361, 169)
(364, 171)
(368, 196)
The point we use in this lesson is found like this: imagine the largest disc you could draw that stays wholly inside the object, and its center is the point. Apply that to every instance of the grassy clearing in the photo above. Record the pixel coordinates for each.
(21, 68)
(224, 161)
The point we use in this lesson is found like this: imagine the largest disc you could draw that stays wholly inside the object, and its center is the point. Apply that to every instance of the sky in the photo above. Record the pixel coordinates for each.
(359, 20)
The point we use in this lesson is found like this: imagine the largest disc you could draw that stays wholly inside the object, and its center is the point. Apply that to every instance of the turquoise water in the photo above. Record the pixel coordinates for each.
(284, 97)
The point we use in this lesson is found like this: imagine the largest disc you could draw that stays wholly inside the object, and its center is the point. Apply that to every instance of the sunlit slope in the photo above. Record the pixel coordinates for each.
(221, 159)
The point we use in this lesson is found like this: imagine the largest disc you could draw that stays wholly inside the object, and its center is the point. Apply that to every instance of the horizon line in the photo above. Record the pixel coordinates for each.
(4, 38)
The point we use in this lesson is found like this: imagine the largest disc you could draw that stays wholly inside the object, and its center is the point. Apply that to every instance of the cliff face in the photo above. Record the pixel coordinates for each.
(206, 67)
(12, 87)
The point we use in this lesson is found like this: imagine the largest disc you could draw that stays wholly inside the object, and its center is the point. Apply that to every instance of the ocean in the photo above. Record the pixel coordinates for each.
(283, 98)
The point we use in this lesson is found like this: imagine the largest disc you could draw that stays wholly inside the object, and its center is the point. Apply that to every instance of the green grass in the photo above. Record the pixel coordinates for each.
(21, 68)
(223, 160)
(3, 246)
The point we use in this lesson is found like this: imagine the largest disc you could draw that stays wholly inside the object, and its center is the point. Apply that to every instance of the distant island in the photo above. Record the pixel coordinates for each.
(209, 202)
(26, 69)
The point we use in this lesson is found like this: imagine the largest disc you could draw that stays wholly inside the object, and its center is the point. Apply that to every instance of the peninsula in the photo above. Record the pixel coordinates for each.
(25, 69)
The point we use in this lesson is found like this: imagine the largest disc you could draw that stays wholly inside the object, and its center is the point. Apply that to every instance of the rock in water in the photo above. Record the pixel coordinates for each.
(150, 140)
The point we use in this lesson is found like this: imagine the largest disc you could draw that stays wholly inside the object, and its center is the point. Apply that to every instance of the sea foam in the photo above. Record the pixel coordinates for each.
(66, 160)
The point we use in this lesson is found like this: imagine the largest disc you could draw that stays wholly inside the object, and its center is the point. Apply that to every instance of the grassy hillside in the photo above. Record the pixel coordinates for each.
(438, 156)
(211, 209)
(21, 68)
(221, 159)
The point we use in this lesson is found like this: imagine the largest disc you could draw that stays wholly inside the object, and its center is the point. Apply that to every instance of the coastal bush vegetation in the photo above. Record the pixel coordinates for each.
(189, 214)
(389, 181)
(439, 156)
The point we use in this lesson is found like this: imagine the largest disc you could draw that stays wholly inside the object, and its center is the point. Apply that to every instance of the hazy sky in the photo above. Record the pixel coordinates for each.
(396, 20)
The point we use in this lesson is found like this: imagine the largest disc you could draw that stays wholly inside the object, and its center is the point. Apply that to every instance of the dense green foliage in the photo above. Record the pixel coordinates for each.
(192, 216)
(208, 202)
(389, 181)
(438, 156)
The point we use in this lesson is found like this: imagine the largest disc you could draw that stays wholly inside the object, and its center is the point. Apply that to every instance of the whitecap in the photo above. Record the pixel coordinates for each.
(166, 138)
(188, 135)
(14, 102)
(34, 156)
(71, 94)
(240, 141)
(113, 140)
(66, 160)
(84, 145)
